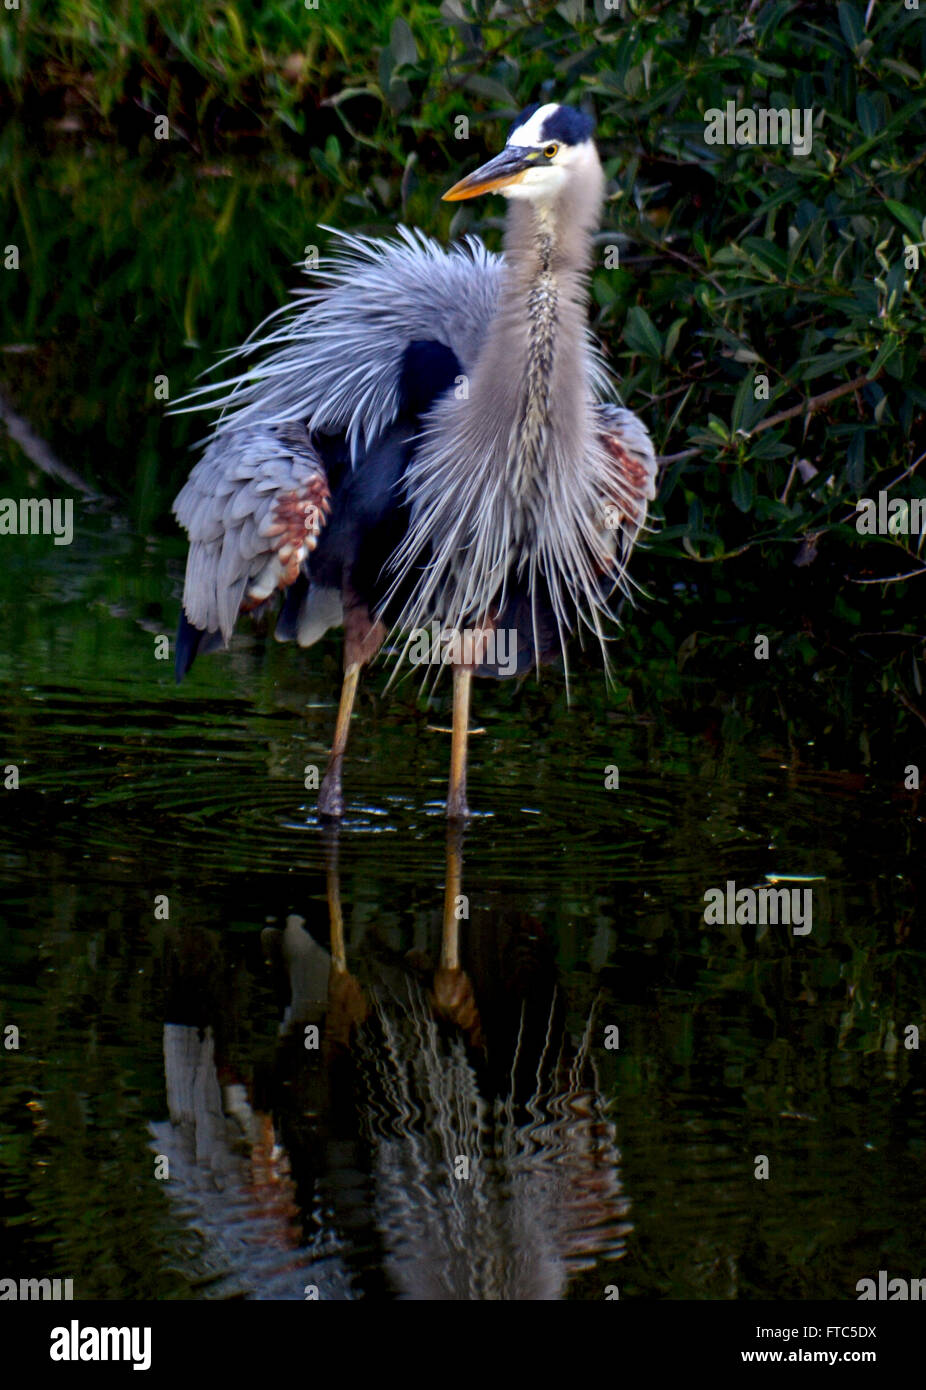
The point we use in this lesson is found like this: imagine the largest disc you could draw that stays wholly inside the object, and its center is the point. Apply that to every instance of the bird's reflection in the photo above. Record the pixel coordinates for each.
(437, 1131)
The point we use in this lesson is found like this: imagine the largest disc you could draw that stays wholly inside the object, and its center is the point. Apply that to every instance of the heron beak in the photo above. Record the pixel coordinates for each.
(507, 167)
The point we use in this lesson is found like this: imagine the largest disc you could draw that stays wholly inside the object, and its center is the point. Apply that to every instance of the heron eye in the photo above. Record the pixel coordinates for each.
(550, 151)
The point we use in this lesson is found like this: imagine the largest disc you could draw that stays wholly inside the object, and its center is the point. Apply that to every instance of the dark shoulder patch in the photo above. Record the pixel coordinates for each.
(524, 116)
(429, 369)
(569, 126)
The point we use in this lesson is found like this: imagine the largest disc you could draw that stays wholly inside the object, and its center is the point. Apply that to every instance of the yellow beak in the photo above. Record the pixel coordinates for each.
(506, 168)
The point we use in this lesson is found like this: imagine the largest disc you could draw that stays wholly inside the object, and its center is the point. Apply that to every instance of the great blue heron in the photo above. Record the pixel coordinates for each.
(427, 444)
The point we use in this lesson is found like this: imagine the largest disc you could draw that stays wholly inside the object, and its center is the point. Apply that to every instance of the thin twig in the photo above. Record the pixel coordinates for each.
(906, 473)
(661, 247)
(727, 555)
(40, 453)
(851, 516)
(663, 460)
(888, 578)
(908, 704)
(808, 407)
(813, 404)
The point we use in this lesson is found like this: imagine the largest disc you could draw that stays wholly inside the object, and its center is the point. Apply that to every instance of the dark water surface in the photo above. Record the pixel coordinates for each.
(176, 919)
(180, 1030)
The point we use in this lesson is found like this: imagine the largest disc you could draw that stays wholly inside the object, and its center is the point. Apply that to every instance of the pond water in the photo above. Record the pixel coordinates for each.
(384, 1061)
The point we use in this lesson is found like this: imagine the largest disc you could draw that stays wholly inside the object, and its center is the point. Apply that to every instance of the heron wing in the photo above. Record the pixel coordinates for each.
(631, 475)
(334, 355)
(254, 506)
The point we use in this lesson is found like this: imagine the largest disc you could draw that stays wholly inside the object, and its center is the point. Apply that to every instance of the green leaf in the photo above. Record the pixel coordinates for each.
(489, 88)
(904, 69)
(885, 353)
(855, 461)
(402, 43)
(742, 489)
(894, 286)
(850, 22)
(746, 409)
(695, 518)
(641, 334)
(869, 114)
(908, 218)
(672, 336)
(902, 119)
(767, 254)
(386, 65)
(828, 362)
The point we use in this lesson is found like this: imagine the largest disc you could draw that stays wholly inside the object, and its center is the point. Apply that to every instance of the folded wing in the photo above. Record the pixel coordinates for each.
(632, 476)
(254, 507)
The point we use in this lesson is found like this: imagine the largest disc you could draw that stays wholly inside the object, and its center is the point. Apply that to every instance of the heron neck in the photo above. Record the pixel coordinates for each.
(542, 317)
(542, 244)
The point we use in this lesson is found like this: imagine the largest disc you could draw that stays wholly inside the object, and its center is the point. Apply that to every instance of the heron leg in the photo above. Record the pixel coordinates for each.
(453, 996)
(453, 883)
(457, 808)
(347, 1003)
(330, 800)
(333, 892)
(363, 637)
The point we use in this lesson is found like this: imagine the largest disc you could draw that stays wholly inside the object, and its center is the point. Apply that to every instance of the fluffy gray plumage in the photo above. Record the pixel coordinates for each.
(335, 359)
(525, 470)
(228, 507)
(522, 455)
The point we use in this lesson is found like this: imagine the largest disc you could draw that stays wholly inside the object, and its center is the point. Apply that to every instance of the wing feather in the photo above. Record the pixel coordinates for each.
(333, 356)
(254, 507)
(631, 476)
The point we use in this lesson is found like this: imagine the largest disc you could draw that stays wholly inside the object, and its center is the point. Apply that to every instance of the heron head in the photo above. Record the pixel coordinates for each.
(548, 147)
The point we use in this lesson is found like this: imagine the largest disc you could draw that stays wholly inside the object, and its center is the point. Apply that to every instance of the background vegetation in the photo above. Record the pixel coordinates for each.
(141, 257)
